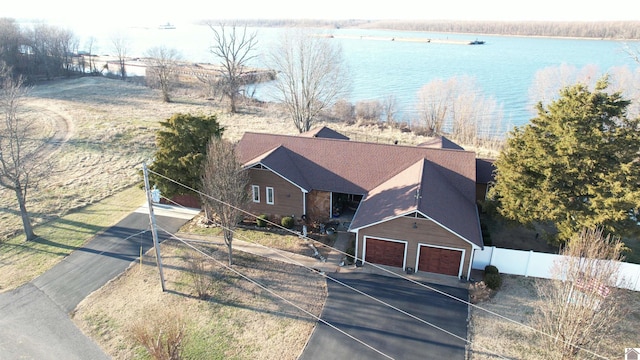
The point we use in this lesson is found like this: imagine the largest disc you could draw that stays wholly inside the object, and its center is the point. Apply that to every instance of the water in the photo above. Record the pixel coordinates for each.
(504, 68)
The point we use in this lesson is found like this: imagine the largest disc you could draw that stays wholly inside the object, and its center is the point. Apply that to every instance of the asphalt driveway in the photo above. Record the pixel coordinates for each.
(35, 322)
(387, 330)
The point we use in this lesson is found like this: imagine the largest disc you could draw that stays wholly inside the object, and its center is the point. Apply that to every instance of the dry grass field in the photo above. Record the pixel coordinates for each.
(109, 130)
(517, 300)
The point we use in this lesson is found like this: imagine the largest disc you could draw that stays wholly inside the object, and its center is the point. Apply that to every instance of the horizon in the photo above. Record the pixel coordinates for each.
(122, 12)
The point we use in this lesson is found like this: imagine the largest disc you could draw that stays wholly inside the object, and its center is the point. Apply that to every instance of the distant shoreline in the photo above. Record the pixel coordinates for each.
(404, 39)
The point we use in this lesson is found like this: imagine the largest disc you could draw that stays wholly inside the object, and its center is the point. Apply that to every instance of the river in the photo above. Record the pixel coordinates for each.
(504, 68)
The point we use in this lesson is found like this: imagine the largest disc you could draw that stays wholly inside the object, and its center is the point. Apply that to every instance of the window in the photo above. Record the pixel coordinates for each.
(255, 190)
(270, 195)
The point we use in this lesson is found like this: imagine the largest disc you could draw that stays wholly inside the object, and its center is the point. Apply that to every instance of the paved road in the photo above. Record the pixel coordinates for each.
(35, 321)
(388, 330)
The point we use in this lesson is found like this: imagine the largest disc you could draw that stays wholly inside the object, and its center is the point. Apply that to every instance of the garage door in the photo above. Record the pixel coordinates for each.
(438, 260)
(384, 252)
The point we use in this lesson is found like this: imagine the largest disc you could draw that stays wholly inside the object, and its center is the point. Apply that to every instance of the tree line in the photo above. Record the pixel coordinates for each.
(629, 30)
(37, 52)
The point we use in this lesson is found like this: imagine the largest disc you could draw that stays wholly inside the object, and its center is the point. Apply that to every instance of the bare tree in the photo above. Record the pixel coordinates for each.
(548, 82)
(458, 107)
(581, 306)
(120, 46)
(162, 63)
(312, 75)
(369, 110)
(465, 113)
(11, 40)
(225, 183)
(390, 109)
(434, 105)
(17, 168)
(234, 47)
(344, 110)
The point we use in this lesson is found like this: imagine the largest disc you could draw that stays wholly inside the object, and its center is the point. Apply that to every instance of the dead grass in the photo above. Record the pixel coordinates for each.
(516, 300)
(111, 131)
(22, 261)
(239, 320)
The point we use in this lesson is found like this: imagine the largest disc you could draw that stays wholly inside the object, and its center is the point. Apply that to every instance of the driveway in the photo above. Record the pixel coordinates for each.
(35, 322)
(389, 331)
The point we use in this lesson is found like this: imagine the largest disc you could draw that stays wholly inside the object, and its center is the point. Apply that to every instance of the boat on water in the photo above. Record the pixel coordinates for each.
(476, 42)
(167, 26)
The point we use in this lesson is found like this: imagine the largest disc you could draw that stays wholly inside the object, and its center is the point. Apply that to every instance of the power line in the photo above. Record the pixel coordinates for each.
(282, 254)
(264, 287)
(295, 262)
(388, 271)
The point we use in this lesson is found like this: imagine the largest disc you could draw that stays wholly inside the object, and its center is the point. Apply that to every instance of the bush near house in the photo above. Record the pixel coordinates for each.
(287, 222)
(261, 220)
(492, 277)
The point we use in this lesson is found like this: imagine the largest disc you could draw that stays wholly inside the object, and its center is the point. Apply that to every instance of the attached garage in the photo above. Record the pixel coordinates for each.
(441, 260)
(385, 252)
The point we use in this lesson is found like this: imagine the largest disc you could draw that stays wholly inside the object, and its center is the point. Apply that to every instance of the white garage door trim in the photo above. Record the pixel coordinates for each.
(441, 247)
(364, 249)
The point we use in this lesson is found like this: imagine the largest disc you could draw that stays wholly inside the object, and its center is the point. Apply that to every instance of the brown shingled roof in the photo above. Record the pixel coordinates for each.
(441, 142)
(325, 132)
(445, 177)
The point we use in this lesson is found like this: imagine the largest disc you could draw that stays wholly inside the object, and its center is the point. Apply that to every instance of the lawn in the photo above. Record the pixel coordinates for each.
(517, 300)
(21, 260)
(239, 320)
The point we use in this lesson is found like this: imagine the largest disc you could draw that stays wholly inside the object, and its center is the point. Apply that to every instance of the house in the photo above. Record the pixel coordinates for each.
(413, 207)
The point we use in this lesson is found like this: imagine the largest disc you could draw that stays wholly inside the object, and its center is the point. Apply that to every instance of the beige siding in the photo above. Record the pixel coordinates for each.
(288, 198)
(426, 232)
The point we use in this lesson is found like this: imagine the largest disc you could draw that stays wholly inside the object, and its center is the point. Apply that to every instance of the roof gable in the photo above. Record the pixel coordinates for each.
(324, 132)
(423, 187)
(441, 142)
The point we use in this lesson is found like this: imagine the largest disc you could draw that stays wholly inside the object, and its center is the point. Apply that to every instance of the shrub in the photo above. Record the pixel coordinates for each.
(493, 280)
(490, 269)
(368, 110)
(162, 335)
(287, 222)
(201, 276)
(260, 220)
(345, 111)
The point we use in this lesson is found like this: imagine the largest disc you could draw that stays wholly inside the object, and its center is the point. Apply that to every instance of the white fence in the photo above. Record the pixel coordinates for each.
(530, 263)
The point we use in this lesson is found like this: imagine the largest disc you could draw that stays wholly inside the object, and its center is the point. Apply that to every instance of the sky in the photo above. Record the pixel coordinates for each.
(188, 10)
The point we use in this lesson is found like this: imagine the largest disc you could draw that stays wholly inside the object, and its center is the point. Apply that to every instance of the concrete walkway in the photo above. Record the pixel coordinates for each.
(332, 263)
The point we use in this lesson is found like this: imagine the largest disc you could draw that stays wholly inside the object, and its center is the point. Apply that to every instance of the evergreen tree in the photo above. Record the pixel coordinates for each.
(575, 165)
(181, 150)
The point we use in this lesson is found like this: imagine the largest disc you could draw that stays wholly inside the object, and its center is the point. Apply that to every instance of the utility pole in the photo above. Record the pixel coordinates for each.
(152, 219)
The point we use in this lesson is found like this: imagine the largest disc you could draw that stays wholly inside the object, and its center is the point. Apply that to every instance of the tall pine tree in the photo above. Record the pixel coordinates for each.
(575, 165)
